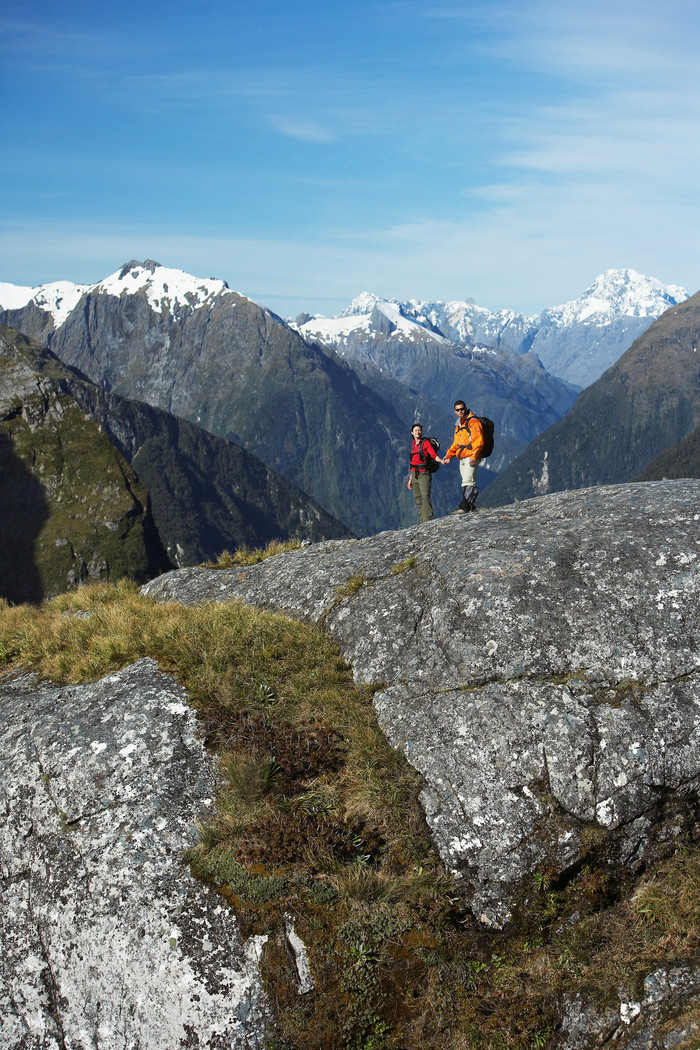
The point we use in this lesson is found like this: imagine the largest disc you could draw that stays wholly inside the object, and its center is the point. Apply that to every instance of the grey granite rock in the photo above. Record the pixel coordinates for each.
(538, 664)
(106, 941)
(654, 1021)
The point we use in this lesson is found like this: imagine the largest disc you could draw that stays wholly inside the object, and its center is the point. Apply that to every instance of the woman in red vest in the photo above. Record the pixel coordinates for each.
(421, 476)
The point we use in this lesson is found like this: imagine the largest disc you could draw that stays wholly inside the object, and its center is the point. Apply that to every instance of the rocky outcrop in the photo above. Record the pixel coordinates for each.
(106, 941)
(539, 665)
(653, 1021)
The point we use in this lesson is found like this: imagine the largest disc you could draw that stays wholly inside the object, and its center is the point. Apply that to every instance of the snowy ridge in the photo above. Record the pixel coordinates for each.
(576, 341)
(465, 322)
(453, 322)
(166, 289)
(364, 303)
(367, 313)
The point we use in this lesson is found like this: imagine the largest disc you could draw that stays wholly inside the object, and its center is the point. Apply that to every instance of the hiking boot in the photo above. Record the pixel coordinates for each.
(460, 510)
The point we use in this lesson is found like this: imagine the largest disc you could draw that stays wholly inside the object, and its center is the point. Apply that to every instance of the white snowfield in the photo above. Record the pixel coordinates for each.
(59, 298)
(358, 318)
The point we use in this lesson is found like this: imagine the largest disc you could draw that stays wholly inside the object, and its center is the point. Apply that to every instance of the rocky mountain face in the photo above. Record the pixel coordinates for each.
(73, 509)
(220, 361)
(644, 405)
(576, 341)
(207, 494)
(539, 667)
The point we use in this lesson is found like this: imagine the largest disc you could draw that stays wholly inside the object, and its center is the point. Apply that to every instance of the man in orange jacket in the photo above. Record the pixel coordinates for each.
(467, 445)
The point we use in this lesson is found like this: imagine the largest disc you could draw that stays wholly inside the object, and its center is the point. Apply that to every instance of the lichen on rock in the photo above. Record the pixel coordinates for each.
(105, 938)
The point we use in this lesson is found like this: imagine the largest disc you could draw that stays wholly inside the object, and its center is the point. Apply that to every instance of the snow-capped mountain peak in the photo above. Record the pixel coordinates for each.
(363, 304)
(576, 340)
(618, 293)
(164, 287)
(368, 315)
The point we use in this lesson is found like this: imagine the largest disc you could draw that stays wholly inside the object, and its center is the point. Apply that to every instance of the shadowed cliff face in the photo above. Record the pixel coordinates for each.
(541, 668)
(206, 494)
(72, 508)
(24, 512)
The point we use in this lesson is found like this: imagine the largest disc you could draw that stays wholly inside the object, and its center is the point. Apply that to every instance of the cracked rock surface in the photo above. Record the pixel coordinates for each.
(106, 942)
(539, 665)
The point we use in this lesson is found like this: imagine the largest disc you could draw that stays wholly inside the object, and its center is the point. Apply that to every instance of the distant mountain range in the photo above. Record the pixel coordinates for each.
(97, 486)
(646, 406)
(576, 341)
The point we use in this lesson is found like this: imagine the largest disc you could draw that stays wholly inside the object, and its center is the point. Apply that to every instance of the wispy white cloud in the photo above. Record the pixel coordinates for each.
(302, 129)
(312, 104)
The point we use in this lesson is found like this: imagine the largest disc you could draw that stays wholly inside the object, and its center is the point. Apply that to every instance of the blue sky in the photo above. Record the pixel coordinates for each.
(506, 151)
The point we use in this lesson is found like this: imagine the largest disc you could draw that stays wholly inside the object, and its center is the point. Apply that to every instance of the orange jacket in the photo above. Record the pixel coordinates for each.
(468, 441)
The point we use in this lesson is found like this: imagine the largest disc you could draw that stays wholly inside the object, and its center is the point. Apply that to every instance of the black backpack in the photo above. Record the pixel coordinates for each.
(487, 426)
(431, 464)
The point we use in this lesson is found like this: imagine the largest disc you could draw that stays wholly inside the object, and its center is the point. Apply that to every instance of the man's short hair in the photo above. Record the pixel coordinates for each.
(460, 404)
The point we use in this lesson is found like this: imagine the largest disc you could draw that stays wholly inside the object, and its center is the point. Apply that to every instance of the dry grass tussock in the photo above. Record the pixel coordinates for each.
(251, 556)
(318, 816)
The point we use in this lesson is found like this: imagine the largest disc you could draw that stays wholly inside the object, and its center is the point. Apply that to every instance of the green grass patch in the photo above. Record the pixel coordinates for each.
(352, 586)
(404, 566)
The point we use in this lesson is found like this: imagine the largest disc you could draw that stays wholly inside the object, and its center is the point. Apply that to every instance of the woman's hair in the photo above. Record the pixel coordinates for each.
(419, 425)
